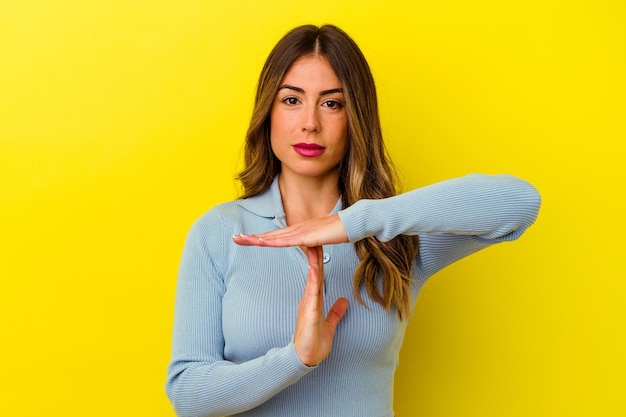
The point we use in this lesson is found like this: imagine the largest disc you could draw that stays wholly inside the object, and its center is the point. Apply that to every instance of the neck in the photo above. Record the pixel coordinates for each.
(308, 198)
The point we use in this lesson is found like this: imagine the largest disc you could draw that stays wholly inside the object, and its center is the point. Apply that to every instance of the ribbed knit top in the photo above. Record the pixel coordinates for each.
(236, 306)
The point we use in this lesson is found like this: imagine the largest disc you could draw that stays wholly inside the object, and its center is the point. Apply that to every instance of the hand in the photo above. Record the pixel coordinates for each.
(314, 335)
(317, 232)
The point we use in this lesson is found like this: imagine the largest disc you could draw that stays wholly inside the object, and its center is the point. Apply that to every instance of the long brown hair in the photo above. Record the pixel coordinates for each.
(366, 172)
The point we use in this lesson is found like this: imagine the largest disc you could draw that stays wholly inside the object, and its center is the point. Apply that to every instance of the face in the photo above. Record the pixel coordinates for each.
(309, 124)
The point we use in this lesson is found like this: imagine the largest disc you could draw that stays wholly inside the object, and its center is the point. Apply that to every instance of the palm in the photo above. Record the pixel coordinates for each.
(314, 334)
(317, 232)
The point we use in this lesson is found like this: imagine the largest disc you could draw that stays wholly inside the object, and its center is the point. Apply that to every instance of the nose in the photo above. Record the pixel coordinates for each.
(311, 122)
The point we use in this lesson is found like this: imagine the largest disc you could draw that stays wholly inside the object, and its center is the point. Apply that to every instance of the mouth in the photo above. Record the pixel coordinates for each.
(309, 150)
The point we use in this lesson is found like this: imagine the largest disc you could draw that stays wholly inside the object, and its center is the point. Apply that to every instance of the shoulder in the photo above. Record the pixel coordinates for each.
(251, 215)
(208, 243)
(210, 237)
(228, 210)
(219, 218)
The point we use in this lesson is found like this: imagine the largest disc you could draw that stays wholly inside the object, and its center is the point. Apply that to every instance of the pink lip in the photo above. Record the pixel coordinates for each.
(309, 150)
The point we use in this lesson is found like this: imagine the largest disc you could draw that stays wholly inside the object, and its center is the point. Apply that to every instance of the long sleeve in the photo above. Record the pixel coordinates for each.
(200, 381)
(453, 218)
(236, 306)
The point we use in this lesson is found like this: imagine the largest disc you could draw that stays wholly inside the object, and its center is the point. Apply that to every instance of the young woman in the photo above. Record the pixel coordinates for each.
(313, 325)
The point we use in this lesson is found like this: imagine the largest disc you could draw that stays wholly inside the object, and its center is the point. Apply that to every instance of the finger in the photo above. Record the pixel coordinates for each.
(316, 272)
(262, 240)
(313, 257)
(316, 262)
(246, 240)
(316, 232)
(336, 313)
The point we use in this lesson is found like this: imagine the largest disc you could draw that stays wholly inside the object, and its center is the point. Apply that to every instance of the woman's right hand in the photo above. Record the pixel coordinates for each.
(314, 334)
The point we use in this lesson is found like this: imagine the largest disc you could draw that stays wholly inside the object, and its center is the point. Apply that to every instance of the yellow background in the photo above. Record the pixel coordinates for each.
(122, 121)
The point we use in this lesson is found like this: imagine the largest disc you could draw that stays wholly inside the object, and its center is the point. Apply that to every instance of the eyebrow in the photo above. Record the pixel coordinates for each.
(300, 90)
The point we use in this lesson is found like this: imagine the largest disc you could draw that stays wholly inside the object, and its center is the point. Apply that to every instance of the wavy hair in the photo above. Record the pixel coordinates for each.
(366, 172)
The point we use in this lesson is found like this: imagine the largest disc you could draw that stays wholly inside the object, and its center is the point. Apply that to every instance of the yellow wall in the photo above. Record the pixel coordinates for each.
(122, 121)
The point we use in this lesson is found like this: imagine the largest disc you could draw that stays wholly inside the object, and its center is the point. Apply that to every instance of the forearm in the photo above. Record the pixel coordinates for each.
(493, 208)
(201, 381)
(200, 388)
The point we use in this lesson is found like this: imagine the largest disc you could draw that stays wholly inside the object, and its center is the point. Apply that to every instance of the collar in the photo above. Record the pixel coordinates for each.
(269, 204)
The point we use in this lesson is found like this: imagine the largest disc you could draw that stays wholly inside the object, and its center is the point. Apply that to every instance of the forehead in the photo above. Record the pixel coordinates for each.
(312, 70)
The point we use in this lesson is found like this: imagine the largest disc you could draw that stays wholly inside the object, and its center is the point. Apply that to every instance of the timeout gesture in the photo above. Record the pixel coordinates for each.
(314, 334)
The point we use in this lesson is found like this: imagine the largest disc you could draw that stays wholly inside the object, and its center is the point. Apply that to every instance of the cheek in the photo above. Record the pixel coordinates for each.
(273, 123)
(280, 121)
(342, 133)
(340, 146)
(275, 129)
(278, 134)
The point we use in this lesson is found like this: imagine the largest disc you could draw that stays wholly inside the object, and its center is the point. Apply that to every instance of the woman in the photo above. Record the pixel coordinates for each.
(313, 326)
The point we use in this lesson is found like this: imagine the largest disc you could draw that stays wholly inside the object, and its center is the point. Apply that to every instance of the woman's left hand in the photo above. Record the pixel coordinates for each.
(317, 232)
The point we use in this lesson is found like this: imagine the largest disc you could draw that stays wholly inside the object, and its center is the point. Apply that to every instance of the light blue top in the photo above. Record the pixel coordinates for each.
(236, 306)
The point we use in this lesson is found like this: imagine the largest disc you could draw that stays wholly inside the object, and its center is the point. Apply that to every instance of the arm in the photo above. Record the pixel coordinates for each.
(480, 209)
(200, 381)
(490, 208)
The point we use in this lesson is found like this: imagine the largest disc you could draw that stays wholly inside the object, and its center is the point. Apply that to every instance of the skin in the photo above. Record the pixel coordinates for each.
(309, 107)
(326, 230)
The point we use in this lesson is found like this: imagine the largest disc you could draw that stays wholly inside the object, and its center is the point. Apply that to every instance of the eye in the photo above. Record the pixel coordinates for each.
(291, 101)
(332, 104)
